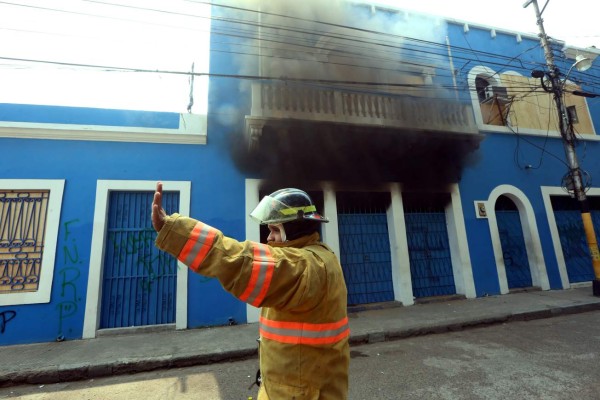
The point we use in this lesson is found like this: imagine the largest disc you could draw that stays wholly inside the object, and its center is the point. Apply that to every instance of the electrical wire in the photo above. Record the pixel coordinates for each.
(330, 63)
(342, 37)
(325, 34)
(311, 32)
(216, 75)
(542, 148)
(311, 81)
(145, 8)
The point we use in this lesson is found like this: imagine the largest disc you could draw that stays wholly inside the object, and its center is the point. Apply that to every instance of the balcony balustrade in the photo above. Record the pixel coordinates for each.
(280, 102)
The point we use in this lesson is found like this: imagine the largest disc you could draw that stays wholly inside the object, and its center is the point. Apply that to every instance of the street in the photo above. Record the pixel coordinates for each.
(555, 358)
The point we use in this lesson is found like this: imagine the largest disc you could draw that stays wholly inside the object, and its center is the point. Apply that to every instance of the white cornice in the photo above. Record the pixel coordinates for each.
(462, 23)
(192, 130)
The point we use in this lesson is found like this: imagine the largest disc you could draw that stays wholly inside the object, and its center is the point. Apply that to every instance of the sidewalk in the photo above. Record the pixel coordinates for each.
(112, 355)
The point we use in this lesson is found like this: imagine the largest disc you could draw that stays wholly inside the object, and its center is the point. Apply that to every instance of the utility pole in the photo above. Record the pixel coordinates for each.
(568, 137)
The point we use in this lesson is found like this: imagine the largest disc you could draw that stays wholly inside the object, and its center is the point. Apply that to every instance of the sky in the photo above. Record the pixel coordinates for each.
(96, 33)
(573, 21)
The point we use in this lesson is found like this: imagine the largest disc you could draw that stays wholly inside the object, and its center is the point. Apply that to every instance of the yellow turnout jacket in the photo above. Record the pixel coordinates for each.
(299, 284)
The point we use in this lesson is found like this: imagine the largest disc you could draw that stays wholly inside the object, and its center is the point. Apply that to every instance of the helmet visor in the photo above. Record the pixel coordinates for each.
(273, 211)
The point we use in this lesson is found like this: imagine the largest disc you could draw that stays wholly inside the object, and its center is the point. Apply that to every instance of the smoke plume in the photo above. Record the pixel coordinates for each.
(355, 49)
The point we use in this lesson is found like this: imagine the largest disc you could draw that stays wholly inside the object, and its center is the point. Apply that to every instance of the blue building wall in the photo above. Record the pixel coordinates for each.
(217, 197)
(502, 157)
(218, 192)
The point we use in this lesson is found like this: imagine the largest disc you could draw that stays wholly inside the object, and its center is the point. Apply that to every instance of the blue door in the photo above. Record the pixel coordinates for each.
(365, 257)
(574, 244)
(139, 281)
(429, 254)
(514, 252)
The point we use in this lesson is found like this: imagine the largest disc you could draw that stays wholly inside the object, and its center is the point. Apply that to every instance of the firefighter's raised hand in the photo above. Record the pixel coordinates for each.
(158, 213)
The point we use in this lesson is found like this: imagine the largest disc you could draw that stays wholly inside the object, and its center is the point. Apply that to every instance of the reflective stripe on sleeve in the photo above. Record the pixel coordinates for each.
(197, 246)
(263, 265)
(304, 332)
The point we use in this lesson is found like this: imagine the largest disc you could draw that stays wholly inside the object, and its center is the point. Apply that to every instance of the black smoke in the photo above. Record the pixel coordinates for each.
(311, 40)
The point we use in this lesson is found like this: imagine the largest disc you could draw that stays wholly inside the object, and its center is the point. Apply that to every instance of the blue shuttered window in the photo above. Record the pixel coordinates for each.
(365, 257)
(573, 242)
(139, 281)
(429, 254)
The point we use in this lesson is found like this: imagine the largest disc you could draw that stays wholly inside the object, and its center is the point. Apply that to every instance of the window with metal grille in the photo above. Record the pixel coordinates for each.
(139, 281)
(431, 268)
(365, 246)
(22, 226)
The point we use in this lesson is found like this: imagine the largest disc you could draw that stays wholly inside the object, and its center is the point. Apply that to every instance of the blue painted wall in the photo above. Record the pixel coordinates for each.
(218, 194)
(87, 116)
(217, 197)
(502, 157)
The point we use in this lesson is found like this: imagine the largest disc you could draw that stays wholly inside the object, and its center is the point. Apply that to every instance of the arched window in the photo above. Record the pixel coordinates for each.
(489, 96)
(493, 108)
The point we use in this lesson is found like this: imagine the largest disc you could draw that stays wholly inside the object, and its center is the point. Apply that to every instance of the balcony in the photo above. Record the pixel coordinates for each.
(316, 132)
(274, 104)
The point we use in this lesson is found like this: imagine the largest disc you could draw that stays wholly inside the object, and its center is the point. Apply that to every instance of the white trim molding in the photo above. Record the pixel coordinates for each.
(91, 320)
(330, 231)
(56, 190)
(192, 130)
(400, 260)
(533, 245)
(459, 245)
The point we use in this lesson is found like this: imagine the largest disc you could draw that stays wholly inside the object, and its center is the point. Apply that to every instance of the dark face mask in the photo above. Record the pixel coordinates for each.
(297, 229)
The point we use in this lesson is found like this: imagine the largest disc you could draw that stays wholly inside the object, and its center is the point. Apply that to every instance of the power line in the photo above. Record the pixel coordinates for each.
(108, 68)
(278, 27)
(214, 75)
(343, 53)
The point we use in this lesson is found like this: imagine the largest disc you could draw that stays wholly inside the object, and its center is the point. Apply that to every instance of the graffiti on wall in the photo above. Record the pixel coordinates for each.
(139, 246)
(5, 318)
(68, 276)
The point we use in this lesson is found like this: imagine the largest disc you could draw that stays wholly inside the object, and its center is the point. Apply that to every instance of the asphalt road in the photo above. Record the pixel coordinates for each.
(556, 358)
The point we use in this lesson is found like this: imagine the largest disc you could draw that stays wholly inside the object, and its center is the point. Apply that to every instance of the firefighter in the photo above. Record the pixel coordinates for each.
(295, 279)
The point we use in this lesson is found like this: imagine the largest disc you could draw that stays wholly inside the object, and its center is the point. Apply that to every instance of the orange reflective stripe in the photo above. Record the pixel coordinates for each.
(197, 246)
(305, 325)
(263, 266)
(304, 332)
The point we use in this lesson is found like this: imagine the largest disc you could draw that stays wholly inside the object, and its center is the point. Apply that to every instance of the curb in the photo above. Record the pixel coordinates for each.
(75, 372)
(396, 334)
